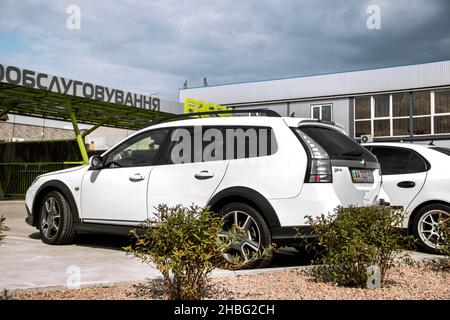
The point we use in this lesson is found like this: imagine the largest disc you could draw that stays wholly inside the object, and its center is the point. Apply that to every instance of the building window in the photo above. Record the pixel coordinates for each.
(401, 127)
(382, 113)
(362, 108)
(382, 128)
(421, 112)
(400, 114)
(442, 101)
(322, 112)
(400, 105)
(382, 106)
(388, 115)
(442, 124)
(421, 103)
(363, 116)
(362, 128)
(442, 111)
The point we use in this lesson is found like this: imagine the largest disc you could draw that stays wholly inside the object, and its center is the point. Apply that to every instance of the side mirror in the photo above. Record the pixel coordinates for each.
(96, 162)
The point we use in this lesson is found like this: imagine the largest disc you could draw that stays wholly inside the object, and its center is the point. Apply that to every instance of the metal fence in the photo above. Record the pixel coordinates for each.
(15, 178)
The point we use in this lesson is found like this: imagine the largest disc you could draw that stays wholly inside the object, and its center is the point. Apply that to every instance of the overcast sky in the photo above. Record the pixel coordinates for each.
(154, 46)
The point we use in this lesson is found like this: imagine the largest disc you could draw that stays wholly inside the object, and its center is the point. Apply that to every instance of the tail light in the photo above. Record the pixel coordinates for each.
(319, 168)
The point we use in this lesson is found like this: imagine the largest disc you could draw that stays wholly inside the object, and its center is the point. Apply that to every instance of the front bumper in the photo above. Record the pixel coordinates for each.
(29, 219)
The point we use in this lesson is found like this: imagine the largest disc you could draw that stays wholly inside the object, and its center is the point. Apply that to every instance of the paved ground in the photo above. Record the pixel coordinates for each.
(26, 262)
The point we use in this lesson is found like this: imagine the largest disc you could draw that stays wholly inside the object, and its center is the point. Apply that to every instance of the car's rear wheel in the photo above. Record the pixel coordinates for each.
(425, 226)
(56, 220)
(251, 239)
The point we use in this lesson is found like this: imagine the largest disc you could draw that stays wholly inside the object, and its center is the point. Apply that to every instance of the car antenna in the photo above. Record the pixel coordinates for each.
(292, 114)
(431, 143)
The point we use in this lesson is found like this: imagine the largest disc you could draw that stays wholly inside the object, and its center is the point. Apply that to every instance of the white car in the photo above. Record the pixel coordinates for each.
(417, 177)
(282, 170)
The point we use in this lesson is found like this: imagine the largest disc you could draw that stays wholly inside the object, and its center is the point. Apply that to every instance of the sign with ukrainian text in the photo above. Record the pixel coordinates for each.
(46, 82)
(193, 106)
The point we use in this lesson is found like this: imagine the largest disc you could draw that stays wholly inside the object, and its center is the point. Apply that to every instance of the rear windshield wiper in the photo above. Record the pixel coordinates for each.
(351, 154)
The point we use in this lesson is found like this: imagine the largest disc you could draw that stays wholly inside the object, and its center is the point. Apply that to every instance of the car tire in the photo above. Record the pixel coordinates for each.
(257, 236)
(56, 220)
(424, 226)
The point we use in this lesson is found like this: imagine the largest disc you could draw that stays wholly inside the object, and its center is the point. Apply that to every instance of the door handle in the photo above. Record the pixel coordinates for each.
(406, 184)
(204, 174)
(136, 177)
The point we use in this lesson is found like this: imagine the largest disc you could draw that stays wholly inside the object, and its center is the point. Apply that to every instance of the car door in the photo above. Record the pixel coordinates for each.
(184, 176)
(117, 193)
(404, 173)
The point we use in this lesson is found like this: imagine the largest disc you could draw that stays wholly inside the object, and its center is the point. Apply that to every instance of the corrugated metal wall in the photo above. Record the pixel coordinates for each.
(356, 82)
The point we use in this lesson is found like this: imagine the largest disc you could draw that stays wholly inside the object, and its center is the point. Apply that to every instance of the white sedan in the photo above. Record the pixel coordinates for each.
(417, 177)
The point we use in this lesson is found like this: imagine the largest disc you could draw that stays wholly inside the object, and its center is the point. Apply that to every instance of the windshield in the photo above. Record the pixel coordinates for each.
(442, 149)
(338, 145)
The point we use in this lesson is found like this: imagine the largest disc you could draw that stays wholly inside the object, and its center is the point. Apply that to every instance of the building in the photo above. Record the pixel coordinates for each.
(403, 103)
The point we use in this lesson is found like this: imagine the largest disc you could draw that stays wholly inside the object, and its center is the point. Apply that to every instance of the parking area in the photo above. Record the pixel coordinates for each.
(26, 262)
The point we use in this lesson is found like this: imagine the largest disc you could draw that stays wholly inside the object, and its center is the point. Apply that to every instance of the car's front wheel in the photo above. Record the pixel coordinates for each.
(425, 226)
(56, 220)
(250, 236)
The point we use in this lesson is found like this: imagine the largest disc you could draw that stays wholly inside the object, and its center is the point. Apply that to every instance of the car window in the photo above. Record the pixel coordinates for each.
(442, 150)
(208, 143)
(336, 144)
(399, 160)
(140, 150)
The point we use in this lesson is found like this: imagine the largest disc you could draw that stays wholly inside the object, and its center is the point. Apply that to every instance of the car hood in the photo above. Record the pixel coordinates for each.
(63, 171)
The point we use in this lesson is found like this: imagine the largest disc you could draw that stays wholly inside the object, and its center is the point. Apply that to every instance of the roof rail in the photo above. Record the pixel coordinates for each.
(263, 111)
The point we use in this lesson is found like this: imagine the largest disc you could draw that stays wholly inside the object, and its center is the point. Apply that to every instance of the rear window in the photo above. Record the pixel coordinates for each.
(336, 144)
(442, 150)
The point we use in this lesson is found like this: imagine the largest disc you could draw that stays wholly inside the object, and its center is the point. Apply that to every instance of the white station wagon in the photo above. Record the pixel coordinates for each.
(262, 173)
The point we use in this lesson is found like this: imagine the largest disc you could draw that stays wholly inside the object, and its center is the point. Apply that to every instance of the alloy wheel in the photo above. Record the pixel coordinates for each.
(428, 227)
(50, 218)
(245, 236)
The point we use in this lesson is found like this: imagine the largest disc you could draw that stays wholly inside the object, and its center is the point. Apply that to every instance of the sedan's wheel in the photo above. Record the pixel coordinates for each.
(55, 220)
(249, 235)
(425, 226)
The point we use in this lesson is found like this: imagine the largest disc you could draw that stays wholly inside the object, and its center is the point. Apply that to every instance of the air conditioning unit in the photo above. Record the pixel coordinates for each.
(366, 139)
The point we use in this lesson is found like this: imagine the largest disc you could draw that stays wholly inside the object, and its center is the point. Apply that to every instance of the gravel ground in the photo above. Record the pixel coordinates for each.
(418, 282)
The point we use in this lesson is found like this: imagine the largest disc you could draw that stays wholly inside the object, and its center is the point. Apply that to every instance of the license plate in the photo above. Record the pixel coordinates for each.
(362, 176)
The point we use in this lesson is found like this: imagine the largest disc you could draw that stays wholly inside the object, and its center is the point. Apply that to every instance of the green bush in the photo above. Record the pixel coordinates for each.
(359, 245)
(444, 247)
(2, 227)
(184, 245)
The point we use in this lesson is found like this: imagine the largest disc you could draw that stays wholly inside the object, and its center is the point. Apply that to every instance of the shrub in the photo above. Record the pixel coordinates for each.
(184, 245)
(359, 245)
(2, 227)
(444, 247)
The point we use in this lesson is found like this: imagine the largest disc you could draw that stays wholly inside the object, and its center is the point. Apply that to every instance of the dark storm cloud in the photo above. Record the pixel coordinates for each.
(153, 46)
